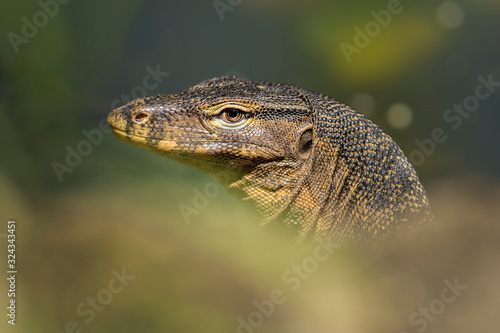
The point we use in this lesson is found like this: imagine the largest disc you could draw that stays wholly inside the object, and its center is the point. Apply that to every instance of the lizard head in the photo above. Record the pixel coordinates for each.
(225, 126)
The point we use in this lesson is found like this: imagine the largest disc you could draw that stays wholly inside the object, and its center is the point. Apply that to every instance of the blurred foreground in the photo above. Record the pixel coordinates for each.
(222, 273)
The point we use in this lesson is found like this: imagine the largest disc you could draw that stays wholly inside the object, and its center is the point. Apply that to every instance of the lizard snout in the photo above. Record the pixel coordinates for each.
(116, 119)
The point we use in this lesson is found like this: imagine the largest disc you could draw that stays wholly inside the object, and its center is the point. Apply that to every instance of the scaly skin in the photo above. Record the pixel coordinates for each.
(300, 157)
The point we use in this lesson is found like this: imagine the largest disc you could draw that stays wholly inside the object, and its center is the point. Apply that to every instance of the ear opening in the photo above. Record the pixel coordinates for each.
(305, 143)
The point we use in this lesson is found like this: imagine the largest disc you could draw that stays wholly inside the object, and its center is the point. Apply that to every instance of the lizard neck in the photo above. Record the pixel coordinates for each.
(279, 191)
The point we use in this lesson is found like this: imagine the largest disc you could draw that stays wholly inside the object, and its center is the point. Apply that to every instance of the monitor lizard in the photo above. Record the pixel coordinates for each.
(299, 157)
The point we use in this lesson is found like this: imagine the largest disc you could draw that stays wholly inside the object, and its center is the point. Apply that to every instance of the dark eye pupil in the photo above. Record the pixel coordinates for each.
(233, 113)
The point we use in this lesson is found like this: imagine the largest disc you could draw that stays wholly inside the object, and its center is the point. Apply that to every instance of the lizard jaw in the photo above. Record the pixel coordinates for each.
(191, 149)
(144, 142)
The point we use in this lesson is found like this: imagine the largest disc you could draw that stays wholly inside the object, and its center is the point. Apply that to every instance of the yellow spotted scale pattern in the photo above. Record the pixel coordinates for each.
(298, 157)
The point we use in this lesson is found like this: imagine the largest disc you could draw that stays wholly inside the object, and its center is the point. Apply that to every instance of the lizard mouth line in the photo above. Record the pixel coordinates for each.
(123, 132)
(173, 146)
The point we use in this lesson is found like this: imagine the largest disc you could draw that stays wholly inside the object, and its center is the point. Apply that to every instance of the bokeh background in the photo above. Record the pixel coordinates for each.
(118, 207)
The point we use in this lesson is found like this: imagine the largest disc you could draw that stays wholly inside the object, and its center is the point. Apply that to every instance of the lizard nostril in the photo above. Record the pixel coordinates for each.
(141, 117)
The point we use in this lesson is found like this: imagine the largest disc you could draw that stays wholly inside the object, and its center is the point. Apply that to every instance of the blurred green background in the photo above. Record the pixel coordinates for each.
(118, 207)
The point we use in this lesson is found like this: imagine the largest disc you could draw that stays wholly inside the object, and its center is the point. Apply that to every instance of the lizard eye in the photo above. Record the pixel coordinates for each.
(231, 118)
(231, 115)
